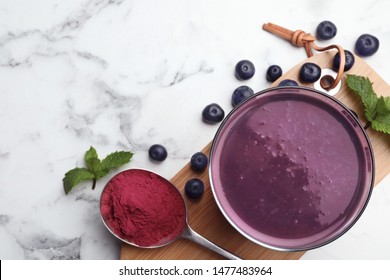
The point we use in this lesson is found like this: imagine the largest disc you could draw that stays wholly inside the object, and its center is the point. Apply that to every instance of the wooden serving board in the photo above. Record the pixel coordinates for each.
(206, 218)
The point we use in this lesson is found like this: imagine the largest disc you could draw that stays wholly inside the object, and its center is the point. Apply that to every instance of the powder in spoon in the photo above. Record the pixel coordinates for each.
(143, 208)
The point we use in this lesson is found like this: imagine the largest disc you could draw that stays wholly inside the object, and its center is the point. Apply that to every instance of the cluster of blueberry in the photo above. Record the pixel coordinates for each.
(194, 188)
(244, 70)
(366, 45)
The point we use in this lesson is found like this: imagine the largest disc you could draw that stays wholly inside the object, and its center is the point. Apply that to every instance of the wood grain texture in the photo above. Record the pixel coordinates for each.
(207, 220)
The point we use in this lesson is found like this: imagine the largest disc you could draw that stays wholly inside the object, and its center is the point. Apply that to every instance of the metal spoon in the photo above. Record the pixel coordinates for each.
(187, 232)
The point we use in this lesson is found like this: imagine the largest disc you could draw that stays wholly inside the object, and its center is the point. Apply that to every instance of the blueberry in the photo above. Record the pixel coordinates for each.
(349, 61)
(199, 162)
(326, 30)
(273, 73)
(288, 83)
(240, 94)
(366, 45)
(213, 113)
(309, 72)
(194, 188)
(158, 152)
(244, 70)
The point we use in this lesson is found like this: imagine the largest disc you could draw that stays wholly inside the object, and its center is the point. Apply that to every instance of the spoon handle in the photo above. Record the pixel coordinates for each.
(190, 234)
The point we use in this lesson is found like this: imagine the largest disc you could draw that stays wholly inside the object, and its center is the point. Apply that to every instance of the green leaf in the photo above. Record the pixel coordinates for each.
(383, 105)
(91, 153)
(362, 86)
(114, 160)
(96, 168)
(377, 110)
(90, 158)
(382, 123)
(75, 176)
(94, 165)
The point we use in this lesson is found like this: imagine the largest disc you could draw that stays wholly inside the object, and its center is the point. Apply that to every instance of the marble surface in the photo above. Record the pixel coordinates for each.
(125, 74)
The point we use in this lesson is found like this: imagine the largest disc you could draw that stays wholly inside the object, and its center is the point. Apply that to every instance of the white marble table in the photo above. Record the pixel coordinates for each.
(123, 75)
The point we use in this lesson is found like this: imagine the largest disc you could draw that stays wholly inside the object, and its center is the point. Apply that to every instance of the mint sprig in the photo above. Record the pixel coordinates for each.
(96, 168)
(377, 109)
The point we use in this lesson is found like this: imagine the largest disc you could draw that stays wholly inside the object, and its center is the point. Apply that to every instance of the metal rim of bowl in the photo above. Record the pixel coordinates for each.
(262, 243)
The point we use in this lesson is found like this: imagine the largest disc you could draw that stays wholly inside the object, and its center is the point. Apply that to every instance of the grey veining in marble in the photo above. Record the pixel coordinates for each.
(126, 74)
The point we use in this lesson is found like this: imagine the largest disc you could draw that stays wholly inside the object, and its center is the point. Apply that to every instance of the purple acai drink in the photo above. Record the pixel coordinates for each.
(291, 169)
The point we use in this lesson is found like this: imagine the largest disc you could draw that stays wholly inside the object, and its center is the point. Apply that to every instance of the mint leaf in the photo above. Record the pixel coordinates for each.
(383, 105)
(362, 86)
(114, 160)
(377, 109)
(94, 165)
(95, 168)
(91, 153)
(75, 176)
(91, 159)
(382, 123)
